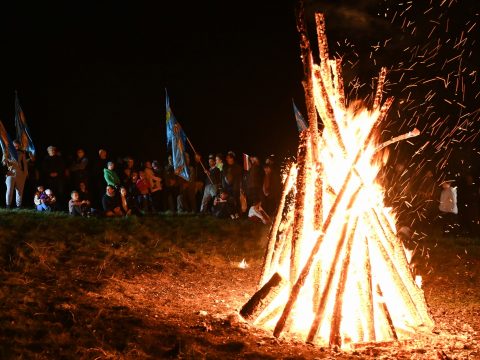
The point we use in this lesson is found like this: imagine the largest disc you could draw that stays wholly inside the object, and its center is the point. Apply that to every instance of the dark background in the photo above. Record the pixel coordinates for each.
(93, 75)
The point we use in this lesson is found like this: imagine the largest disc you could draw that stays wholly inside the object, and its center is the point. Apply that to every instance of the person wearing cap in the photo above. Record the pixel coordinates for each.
(212, 183)
(110, 176)
(17, 172)
(448, 207)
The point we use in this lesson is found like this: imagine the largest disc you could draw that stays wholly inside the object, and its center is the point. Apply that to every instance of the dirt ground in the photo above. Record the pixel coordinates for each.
(101, 294)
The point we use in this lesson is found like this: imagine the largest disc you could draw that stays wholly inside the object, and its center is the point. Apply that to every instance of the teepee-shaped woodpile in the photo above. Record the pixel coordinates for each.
(335, 272)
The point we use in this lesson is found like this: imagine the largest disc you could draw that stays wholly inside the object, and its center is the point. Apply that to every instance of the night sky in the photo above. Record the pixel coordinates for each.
(94, 76)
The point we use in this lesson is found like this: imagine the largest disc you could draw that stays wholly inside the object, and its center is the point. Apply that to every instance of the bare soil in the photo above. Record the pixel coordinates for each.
(171, 288)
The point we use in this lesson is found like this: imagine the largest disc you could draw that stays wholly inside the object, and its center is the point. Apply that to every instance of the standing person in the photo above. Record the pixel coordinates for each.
(144, 198)
(171, 189)
(448, 208)
(270, 189)
(79, 169)
(97, 180)
(17, 172)
(186, 198)
(211, 187)
(232, 180)
(110, 176)
(201, 179)
(254, 181)
(157, 187)
(54, 173)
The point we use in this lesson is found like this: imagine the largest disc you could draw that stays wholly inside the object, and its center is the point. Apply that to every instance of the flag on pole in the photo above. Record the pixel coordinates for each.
(176, 139)
(301, 124)
(246, 162)
(23, 133)
(8, 150)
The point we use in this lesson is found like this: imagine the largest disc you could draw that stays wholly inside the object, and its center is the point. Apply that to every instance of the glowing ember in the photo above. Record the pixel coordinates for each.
(335, 272)
(242, 264)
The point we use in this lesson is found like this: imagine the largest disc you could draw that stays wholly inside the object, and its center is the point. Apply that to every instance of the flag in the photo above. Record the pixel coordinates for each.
(176, 139)
(301, 124)
(246, 162)
(8, 150)
(23, 133)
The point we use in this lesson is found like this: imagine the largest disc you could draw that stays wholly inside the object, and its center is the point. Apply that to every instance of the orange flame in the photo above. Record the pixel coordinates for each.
(348, 278)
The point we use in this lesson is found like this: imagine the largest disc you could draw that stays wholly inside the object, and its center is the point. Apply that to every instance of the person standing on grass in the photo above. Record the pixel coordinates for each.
(16, 175)
(110, 176)
(212, 184)
(54, 173)
(448, 208)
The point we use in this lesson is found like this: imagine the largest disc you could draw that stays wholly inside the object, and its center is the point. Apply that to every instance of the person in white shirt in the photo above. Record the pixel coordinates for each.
(448, 208)
(16, 175)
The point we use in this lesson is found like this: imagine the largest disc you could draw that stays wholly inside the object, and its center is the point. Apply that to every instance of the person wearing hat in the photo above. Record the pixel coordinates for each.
(212, 183)
(448, 208)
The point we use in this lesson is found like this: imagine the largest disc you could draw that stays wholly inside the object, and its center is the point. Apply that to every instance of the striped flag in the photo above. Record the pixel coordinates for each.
(301, 124)
(8, 150)
(23, 133)
(176, 139)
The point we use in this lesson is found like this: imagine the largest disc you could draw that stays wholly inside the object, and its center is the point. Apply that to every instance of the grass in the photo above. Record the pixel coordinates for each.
(88, 288)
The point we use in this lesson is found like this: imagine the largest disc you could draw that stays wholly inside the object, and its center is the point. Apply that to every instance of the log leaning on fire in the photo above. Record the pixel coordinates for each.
(263, 297)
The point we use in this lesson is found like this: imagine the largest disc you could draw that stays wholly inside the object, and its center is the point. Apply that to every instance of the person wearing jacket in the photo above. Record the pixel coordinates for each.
(17, 172)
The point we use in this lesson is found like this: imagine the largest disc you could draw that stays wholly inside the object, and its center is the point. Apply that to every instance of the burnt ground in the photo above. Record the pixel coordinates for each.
(170, 288)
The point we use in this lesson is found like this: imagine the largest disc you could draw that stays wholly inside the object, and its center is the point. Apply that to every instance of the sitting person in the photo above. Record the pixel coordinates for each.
(111, 203)
(44, 199)
(84, 193)
(224, 206)
(129, 205)
(77, 207)
(256, 213)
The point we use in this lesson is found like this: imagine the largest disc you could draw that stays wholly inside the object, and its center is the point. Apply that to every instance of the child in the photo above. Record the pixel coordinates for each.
(77, 207)
(44, 200)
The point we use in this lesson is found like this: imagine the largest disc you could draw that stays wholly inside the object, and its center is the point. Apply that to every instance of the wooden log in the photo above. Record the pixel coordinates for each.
(272, 237)
(328, 284)
(396, 252)
(308, 265)
(307, 61)
(263, 297)
(338, 83)
(368, 297)
(299, 218)
(380, 83)
(384, 308)
(323, 50)
(335, 336)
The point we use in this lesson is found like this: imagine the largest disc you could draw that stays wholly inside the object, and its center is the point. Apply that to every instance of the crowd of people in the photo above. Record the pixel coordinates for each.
(223, 186)
(103, 187)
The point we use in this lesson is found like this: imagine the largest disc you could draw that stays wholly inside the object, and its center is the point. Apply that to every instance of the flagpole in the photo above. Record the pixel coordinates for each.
(203, 167)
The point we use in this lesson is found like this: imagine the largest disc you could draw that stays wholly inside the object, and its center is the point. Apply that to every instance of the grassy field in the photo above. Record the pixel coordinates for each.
(170, 287)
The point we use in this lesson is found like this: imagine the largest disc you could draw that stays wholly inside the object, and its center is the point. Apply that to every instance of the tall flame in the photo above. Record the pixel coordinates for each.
(346, 278)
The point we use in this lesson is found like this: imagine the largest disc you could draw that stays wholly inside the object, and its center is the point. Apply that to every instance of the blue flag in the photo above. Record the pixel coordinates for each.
(176, 139)
(8, 150)
(23, 133)
(301, 124)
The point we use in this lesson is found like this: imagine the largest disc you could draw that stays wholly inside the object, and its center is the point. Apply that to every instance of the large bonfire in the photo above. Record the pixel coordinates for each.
(335, 273)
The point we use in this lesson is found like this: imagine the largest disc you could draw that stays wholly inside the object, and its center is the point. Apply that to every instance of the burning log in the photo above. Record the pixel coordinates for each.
(263, 297)
(337, 273)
